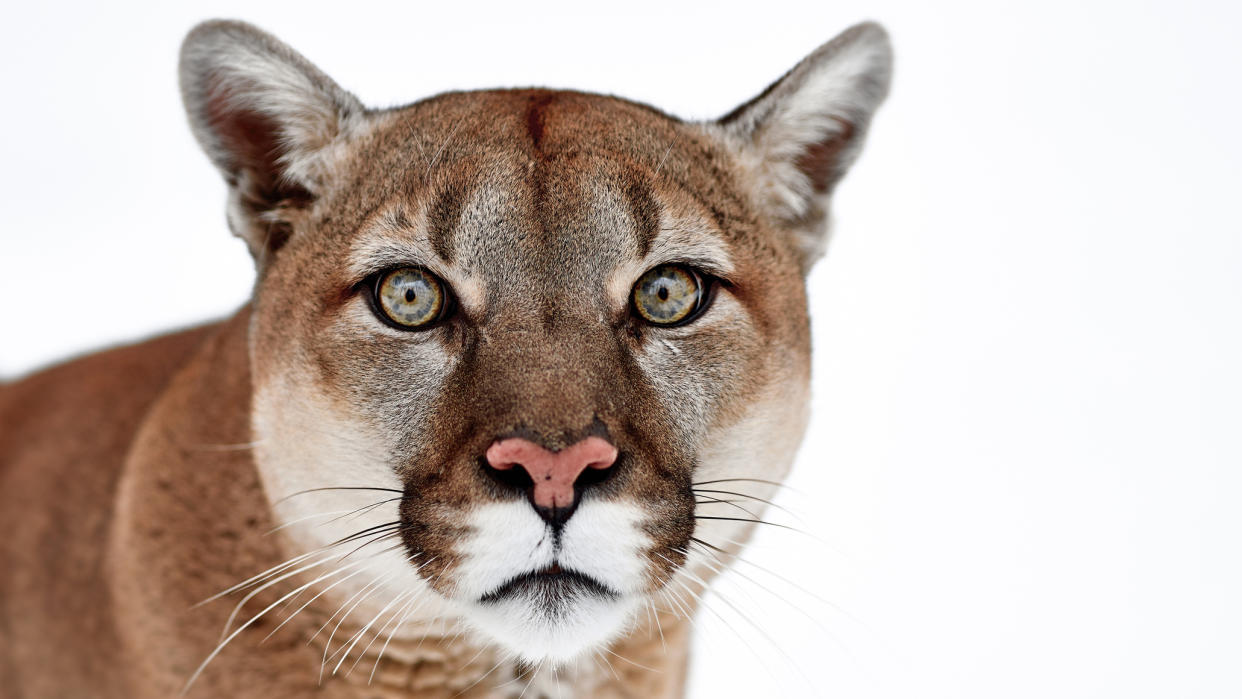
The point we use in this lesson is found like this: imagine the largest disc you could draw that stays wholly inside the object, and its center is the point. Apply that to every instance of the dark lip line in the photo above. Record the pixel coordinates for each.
(562, 575)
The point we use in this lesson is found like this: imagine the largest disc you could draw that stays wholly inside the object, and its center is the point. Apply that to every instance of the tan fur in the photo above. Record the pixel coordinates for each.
(139, 482)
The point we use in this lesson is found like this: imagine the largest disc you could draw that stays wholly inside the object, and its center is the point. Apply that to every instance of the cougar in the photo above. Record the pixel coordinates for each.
(520, 371)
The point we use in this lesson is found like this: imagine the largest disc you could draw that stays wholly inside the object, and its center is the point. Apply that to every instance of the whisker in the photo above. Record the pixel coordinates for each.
(719, 567)
(431, 585)
(417, 143)
(250, 595)
(369, 589)
(758, 521)
(826, 544)
(611, 669)
(776, 646)
(436, 158)
(308, 602)
(299, 520)
(631, 662)
(362, 632)
(678, 603)
(242, 446)
(535, 673)
(339, 609)
(366, 508)
(733, 503)
(776, 484)
(505, 657)
(774, 574)
(274, 570)
(725, 621)
(386, 534)
(666, 152)
(339, 487)
(748, 496)
(363, 533)
(655, 614)
(405, 615)
(220, 646)
(398, 612)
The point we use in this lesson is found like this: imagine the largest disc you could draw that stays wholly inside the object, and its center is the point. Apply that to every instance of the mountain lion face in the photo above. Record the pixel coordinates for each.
(513, 345)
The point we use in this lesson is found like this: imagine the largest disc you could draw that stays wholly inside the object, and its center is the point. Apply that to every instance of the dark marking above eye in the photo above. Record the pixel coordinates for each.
(644, 210)
(445, 213)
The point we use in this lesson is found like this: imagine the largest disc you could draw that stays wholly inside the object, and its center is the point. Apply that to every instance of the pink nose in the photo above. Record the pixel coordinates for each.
(553, 472)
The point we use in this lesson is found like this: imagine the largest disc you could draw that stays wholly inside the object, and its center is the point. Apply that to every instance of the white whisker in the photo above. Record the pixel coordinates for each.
(400, 616)
(362, 632)
(369, 589)
(308, 602)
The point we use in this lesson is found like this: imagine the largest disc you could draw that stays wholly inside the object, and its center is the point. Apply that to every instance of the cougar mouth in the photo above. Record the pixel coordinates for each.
(552, 587)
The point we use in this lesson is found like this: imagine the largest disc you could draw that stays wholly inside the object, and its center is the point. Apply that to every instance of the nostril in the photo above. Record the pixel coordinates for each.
(551, 478)
(509, 475)
(595, 474)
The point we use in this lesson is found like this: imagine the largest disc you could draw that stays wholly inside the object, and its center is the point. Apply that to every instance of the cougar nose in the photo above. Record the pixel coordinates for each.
(553, 474)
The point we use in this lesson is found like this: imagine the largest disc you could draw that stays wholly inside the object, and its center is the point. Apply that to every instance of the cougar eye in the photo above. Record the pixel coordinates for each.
(410, 298)
(669, 295)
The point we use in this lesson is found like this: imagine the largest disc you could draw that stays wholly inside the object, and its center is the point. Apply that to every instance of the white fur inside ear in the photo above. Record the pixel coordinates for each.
(236, 78)
(825, 103)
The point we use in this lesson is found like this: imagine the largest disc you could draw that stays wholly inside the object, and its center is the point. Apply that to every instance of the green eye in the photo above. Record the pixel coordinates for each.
(668, 295)
(410, 297)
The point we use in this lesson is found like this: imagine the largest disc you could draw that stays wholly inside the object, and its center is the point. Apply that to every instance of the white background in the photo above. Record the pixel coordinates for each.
(1022, 476)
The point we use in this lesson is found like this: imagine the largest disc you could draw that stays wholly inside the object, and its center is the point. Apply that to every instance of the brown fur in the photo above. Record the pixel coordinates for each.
(139, 482)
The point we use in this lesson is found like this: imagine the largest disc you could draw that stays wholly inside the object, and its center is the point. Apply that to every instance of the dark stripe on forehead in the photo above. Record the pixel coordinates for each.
(645, 211)
(444, 215)
(539, 101)
(536, 120)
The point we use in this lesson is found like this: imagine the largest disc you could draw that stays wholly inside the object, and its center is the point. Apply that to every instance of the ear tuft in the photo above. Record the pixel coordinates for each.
(265, 116)
(798, 138)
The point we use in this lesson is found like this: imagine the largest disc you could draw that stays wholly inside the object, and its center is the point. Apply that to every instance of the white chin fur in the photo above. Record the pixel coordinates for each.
(601, 541)
(537, 633)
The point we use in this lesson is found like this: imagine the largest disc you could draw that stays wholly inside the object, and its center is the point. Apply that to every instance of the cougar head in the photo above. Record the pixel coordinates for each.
(506, 341)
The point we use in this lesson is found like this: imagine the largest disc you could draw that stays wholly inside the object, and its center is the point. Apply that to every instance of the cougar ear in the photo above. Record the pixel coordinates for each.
(798, 137)
(267, 118)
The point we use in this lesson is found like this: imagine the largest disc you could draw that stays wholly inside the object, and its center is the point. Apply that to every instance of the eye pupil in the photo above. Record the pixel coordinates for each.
(670, 294)
(410, 297)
